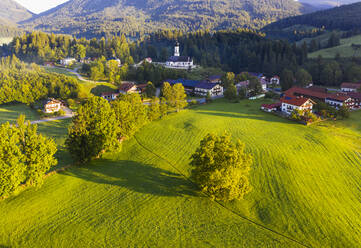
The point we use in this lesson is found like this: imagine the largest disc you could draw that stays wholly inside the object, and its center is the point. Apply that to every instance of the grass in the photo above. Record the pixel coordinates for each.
(306, 185)
(345, 50)
(11, 112)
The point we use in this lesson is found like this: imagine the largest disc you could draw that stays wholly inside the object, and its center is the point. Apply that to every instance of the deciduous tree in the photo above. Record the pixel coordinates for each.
(221, 168)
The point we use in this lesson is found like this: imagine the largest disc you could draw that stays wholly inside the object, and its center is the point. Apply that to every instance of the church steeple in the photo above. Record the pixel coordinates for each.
(176, 49)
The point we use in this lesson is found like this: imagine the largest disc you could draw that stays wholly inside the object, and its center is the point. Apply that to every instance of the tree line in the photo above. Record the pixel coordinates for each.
(25, 156)
(20, 82)
(99, 125)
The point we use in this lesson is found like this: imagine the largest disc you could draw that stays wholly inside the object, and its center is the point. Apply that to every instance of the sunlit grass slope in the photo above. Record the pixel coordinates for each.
(345, 49)
(306, 185)
(11, 112)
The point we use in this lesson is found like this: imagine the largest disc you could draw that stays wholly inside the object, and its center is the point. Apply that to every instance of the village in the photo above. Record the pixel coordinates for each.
(295, 103)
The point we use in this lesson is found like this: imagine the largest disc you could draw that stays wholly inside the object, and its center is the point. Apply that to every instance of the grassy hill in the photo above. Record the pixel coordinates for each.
(305, 180)
(345, 49)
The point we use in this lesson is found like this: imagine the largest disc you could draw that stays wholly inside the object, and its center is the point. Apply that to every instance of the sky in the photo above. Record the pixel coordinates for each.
(38, 6)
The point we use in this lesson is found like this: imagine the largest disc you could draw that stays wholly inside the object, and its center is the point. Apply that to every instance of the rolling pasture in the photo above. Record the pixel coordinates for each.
(306, 188)
(345, 49)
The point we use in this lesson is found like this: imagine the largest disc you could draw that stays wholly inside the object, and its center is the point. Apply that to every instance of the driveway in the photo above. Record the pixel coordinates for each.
(68, 114)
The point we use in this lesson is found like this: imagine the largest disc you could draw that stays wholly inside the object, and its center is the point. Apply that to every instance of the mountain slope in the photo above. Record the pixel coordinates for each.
(346, 17)
(89, 17)
(11, 11)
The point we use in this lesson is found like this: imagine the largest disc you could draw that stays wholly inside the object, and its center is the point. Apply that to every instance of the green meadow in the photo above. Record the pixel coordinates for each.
(306, 188)
(345, 50)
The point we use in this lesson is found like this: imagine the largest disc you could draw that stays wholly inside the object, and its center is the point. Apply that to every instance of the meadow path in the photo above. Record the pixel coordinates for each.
(68, 114)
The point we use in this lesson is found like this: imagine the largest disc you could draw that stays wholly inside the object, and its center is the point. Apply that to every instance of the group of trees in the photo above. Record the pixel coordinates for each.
(99, 126)
(229, 80)
(25, 156)
(321, 72)
(24, 83)
(237, 51)
(39, 47)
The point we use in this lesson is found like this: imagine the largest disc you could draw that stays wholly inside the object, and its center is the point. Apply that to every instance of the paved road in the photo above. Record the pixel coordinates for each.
(80, 77)
(68, 114)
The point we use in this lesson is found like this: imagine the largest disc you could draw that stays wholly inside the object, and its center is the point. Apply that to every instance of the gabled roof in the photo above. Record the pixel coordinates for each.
(125, 87)
(179, 59)
(351, 85)
(51, 101)
(338, 97)
(354, 95)
(296, 101)
(206, 85)
(184, 82)
(306, 92)
(272, 106)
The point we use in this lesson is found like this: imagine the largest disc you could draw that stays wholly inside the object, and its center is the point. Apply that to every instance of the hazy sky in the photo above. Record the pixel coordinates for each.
(38, 6)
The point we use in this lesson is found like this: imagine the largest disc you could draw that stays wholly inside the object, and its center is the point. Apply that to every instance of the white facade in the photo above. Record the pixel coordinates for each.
(288, 108)
(67, 61)
(215, 91)
(52, 106)
(348, 90)
(338, 103)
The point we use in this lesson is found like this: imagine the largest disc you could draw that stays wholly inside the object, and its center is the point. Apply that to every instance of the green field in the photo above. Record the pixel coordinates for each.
(345, 50)
(10, 112)
(306, 189)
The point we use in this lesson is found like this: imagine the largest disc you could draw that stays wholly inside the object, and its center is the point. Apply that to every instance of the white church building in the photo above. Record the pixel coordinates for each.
(179, 62)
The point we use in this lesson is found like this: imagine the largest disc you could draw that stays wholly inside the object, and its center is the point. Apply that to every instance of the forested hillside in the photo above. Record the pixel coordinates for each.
(11, 11)
(99, 17)
(345, 18)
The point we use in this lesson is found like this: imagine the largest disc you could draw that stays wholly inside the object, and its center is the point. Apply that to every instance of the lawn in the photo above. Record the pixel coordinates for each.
(11, 112)
(306, 189)
(345, 50)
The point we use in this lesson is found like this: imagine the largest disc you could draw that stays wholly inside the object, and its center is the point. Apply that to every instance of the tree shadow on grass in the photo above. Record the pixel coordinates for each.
(269, 118)
(135, 176)
(98, 90)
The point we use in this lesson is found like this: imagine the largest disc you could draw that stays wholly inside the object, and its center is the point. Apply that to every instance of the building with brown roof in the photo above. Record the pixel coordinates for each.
(289, 104)
(127, 88)
(350, 87)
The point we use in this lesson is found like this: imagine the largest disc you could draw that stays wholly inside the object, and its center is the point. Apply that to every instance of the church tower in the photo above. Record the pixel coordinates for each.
(176, 50)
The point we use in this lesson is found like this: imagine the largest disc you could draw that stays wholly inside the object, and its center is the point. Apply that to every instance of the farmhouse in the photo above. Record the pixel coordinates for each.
(179, 62)
(296, 103)
(189, 85)
(67, 61)
(339, 100)
(314, 94)
(271, 107)
(204, 88)
(51, 106)
(350, 87)
(110, 96)
(128, 88)
(356, 96)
